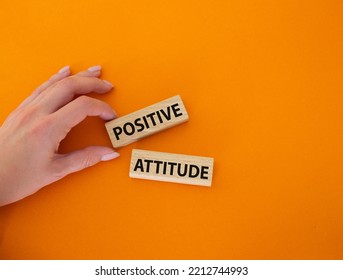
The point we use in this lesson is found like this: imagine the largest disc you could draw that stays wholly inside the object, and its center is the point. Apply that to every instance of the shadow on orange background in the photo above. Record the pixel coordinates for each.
(262, 82)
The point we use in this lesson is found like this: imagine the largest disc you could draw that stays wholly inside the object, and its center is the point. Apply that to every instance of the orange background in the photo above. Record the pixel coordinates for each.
(262, 82)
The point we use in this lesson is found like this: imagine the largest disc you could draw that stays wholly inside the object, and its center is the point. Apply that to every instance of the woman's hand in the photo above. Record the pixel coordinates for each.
(30, 136)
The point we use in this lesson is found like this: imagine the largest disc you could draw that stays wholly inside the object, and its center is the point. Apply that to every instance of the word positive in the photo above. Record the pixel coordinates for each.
(169, 167)
(147, 121)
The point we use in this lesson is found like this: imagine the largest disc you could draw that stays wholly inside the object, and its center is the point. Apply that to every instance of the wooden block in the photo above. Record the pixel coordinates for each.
(167, 167)
(147, 121)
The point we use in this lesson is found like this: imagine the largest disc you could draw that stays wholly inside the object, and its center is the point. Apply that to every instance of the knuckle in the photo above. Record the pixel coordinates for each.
(26, 116)
(84, 101)
(87, 162)
(41, 127)
(58, 168)
(67, 82)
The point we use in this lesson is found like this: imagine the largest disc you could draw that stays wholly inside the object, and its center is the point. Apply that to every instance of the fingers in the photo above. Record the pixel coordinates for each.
(84, 158)
(61, 74)
(65, 90)
(93, 71)
(76, 111)
(64, 72)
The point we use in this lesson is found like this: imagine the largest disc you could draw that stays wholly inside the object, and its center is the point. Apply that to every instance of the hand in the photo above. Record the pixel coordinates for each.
(30, 136)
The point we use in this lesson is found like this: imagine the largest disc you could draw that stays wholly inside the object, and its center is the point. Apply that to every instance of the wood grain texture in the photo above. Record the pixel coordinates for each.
(168, 167)
(147, 121)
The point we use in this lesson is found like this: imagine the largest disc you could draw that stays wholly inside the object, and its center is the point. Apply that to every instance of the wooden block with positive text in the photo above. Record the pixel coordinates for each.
(167, 167)
(147, 121)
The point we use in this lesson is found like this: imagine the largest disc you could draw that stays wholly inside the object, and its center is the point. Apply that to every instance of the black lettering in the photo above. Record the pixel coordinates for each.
(182, 174)
(191, 168)
(159, 116)
(175, 110)
(204, 171)
(148, 161)
(132, 128)
(146, 122)
(165, 168)
(166, 115)
(172, 164)
(139, 124)
(106, 271)
(117, 131)
(151, 116)
(158, 163)
(139, 164)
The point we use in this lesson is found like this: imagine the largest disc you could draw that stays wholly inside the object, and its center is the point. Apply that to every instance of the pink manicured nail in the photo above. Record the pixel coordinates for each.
(110, 156)
(94, 68)
(64, 69)
(107, 82)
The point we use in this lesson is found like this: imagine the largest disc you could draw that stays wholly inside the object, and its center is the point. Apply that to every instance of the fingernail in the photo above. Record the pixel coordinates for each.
(64, 69)
(94, 68)
(108, 83)
(110, 156)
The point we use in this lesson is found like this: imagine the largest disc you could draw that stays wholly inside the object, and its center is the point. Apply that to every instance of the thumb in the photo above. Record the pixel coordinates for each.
(81, 159)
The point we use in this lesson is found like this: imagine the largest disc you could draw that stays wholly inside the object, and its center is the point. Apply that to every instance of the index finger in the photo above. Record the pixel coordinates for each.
(76, 111)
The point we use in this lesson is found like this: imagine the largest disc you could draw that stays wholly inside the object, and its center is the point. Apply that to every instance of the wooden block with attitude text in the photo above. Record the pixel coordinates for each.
(177, 168)
(147, 121)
